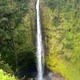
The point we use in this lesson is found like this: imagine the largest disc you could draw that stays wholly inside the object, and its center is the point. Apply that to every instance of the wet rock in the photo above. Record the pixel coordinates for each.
(53, 76)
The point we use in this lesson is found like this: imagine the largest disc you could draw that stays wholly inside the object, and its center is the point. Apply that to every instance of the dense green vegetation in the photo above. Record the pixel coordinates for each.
(61, 22)
(17, 30)
(61, 34)
(5, 76)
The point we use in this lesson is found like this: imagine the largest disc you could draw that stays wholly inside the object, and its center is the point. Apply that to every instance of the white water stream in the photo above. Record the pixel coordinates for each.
(40, 50)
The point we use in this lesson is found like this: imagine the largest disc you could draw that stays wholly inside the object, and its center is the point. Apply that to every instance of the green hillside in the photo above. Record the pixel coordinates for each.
(17, 30)
(61, 22)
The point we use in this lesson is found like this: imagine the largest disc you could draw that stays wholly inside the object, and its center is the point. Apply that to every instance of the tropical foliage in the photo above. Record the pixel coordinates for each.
(61, 22)
(17, 25)
(5, 76)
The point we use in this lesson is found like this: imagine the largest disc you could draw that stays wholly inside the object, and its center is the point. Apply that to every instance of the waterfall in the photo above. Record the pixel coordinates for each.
(40, 50)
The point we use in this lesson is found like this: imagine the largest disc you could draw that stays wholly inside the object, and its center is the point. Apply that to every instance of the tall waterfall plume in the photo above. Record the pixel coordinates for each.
(40, 50)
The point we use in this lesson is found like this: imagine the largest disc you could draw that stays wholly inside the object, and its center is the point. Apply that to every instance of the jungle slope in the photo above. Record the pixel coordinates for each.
(17, 31)
(61, 23)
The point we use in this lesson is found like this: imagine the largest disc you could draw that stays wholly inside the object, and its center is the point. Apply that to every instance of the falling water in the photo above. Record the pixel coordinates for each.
(40, 51)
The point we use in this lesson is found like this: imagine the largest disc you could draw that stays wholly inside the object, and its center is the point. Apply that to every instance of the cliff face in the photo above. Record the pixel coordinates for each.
(61, 23)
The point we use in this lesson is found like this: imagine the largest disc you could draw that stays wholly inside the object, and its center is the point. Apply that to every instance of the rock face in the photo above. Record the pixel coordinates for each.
(53, 76)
